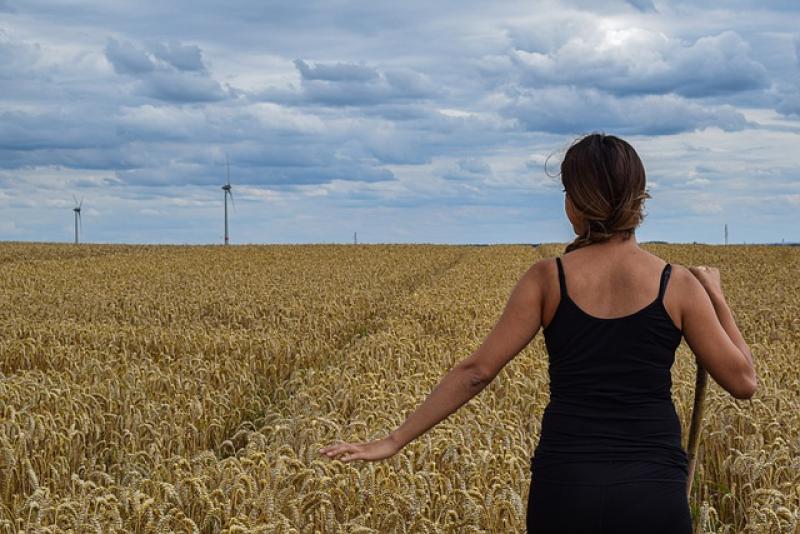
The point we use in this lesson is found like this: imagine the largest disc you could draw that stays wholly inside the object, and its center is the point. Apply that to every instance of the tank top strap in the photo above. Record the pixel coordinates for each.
(562, 282)
(664, 280)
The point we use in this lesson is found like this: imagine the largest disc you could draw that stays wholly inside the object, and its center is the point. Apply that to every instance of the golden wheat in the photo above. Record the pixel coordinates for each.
(187, 389)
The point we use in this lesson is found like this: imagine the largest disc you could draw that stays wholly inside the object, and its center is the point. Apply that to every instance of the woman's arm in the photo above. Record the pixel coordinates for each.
(519, 323)
(458, 386)
(711, 332)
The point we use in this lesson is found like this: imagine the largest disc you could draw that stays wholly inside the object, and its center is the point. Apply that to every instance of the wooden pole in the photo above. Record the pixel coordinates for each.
(697, 421)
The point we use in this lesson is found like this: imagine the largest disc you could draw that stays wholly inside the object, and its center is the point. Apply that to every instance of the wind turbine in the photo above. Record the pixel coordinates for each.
(77, 210)
(227, 192)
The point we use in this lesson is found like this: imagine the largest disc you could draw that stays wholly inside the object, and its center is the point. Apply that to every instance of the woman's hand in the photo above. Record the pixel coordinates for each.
(709, 278)
(371, 450)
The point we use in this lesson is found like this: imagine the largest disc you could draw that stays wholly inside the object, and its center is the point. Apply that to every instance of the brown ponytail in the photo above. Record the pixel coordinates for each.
(605, 180)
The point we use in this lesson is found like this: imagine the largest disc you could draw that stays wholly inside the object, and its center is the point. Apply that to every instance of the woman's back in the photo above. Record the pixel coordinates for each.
(610, 383)
(610, 435)
(608, 280)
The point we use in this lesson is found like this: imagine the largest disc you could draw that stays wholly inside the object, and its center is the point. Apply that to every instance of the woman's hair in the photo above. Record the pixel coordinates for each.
(605, 180)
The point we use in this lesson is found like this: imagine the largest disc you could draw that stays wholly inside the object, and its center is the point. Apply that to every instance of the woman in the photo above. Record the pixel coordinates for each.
(609, 457)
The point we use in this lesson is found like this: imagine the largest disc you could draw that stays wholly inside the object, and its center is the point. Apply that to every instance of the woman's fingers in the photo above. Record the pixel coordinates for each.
(332, 447)
(344, 452)
(355, 452)
(352, 456)
(335, 450)
(374, 450)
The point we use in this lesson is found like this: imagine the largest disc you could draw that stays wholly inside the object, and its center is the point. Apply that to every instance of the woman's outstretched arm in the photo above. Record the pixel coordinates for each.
(519, 323)
(458, 386)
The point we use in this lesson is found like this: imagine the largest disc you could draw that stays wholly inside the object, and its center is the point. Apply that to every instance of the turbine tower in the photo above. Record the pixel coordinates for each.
(227, 192)
(77, 210)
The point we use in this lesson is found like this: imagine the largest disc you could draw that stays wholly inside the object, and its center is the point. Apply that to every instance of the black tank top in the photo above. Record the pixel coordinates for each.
(610, 418)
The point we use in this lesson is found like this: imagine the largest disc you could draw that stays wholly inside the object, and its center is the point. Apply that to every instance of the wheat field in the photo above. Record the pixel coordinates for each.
(187, 389)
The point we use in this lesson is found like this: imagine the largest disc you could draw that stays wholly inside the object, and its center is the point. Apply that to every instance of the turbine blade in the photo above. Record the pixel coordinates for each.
(75, 199)
(233, 203)
(81, 204)
(228, 166)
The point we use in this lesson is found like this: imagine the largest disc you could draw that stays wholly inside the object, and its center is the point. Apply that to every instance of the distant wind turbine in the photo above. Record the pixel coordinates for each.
(227, 192)
(77, 210)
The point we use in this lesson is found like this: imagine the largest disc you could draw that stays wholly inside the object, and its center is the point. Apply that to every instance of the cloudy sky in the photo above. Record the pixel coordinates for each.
(401, 121)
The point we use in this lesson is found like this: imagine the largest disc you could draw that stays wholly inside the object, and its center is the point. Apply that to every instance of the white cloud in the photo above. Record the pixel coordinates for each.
(705, 207)
(630, 60)
(698, 182)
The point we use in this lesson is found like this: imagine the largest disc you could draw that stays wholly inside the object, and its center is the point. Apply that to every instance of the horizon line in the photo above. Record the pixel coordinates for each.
(319, 243)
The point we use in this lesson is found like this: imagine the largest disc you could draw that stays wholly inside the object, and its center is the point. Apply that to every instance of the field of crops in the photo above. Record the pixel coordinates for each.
(188, 389)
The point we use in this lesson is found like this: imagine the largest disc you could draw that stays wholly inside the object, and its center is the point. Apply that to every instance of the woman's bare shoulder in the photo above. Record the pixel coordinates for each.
(680, 275)
(541, 271)
(683, 290)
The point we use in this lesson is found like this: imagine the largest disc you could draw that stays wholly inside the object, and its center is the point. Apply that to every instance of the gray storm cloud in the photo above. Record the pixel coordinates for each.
(402, 104)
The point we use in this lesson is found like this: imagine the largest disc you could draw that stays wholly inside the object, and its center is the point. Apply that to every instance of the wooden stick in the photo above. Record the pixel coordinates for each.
(697, 421)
